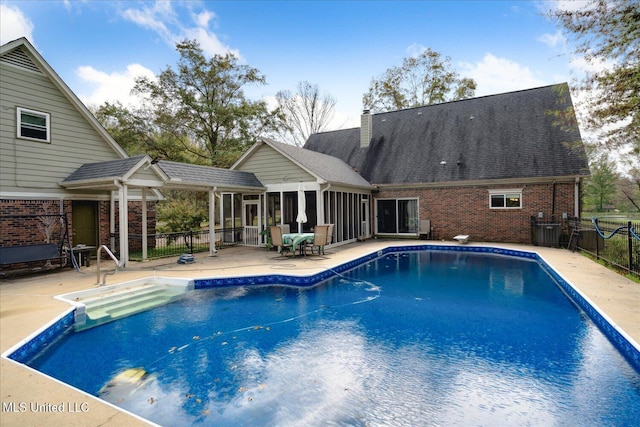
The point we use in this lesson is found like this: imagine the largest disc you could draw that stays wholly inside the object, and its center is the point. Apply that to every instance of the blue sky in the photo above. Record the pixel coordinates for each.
(98, 47)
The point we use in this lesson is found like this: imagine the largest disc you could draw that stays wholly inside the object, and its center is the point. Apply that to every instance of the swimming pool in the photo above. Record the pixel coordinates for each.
(427, 337)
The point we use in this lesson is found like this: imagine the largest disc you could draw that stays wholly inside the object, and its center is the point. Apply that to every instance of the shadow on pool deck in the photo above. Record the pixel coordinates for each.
(26, 304)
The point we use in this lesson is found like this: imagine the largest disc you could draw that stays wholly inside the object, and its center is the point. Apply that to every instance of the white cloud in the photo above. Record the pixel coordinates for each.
(581, 65)
(415, 50)
(553, 40)
(112, 87)
(565, 5)
(153, 18)
(164, 19)
(497, 75)
(202, 19)
(209, 43)
(14, 24)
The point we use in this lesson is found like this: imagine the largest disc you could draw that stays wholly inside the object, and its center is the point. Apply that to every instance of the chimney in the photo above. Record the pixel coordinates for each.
(365, 129)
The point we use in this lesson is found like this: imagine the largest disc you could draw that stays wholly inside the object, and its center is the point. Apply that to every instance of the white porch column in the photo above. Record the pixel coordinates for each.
(112, 222)
(320, 205)
(144, 224)
(124, 225)
(212, 222)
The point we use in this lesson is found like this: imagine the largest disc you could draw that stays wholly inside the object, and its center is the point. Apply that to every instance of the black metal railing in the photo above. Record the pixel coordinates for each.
(161, 245)
(615, 242)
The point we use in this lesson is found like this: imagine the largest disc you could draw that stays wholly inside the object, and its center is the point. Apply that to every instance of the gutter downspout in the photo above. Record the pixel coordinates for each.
(576, 198)
(553, 202)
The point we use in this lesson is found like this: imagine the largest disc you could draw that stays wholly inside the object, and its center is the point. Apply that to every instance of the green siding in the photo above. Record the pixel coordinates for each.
(272, 167)
(27, 165)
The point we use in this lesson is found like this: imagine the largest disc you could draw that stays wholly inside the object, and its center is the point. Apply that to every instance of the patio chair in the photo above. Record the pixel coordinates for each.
(330, 234)
(276, 240)
(425, 229)
(320, 236)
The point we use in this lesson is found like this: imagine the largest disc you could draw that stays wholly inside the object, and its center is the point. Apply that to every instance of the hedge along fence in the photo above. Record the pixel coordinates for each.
(616, 243)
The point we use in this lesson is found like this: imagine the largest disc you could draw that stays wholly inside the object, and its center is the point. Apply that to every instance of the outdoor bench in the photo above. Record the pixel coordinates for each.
(30, 253)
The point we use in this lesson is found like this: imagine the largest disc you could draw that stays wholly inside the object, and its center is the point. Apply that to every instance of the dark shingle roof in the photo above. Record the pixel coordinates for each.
(107, 169)
(511, 135)
(329, 168)
(183, 173)
(208, 175)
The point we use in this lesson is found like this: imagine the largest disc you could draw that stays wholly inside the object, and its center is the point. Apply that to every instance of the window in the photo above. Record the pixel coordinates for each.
(33, 125)
(505, 199)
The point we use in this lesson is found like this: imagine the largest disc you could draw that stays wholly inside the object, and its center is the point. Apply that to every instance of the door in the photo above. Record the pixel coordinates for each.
(251, 222)
(364, 219)
(84, 223)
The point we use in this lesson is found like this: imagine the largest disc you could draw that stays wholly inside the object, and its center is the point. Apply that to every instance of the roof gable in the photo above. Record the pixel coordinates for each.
(133, 170)
(20, 53)
(506, 136)
(325, 168)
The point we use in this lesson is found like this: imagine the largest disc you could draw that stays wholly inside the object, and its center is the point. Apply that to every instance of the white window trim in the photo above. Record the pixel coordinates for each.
(47, 116)
(504, 192)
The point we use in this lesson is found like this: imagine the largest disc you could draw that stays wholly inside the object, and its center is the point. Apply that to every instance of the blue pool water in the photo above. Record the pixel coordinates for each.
(418, 338)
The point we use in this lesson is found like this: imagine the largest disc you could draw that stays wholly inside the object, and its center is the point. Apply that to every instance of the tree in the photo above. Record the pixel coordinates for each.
(601, 186)
(305, 112)
(608, 32)
(136, 134)
(629, 188)
(423, 80)
(202, 106)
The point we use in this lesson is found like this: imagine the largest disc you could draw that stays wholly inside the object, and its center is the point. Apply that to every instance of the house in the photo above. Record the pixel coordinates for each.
(46, 133)
(482, 167)
(57, 161)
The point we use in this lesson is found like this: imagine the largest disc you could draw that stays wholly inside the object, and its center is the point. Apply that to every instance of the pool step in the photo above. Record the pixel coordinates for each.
(126, 302)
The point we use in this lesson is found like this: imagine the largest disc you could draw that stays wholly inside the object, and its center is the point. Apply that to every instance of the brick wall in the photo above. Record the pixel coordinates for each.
(22, 231)
(465, 210)
(135, 217)
(25, 231)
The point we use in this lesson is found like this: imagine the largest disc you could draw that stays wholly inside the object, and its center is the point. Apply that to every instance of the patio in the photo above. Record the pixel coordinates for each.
(26, 304)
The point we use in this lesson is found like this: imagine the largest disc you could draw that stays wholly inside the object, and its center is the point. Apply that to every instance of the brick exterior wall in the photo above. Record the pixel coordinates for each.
(465, 210)
(135, 218)
(25, 231)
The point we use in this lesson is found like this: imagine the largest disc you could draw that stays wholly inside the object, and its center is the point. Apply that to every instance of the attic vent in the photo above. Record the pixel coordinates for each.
(19, 58)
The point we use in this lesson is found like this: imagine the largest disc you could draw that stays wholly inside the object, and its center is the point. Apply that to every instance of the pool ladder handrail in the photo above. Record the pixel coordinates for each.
(115, 260)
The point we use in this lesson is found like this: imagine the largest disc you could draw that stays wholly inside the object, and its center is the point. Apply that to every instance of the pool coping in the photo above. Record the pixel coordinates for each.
(26, 349)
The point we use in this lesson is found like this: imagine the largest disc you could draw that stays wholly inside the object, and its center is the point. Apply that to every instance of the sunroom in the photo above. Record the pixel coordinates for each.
(303, 189)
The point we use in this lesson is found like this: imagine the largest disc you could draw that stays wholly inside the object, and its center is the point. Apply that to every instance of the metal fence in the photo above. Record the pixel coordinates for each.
(615, 242)
(161, 245)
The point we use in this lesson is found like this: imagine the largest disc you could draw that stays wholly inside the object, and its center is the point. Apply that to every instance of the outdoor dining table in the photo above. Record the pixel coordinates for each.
(297, 239)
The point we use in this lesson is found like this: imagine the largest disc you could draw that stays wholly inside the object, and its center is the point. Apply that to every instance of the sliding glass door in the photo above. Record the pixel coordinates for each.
(397, 216)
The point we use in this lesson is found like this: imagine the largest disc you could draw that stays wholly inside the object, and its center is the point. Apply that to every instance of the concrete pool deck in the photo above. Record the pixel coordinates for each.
(27, 304)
